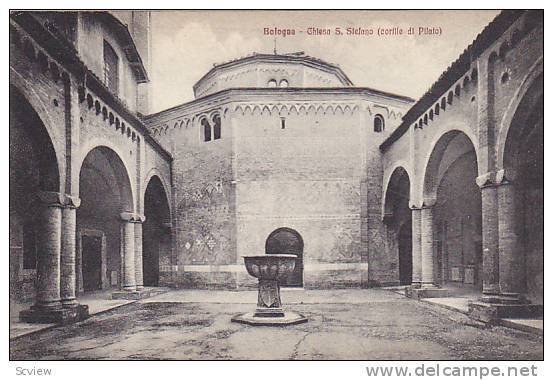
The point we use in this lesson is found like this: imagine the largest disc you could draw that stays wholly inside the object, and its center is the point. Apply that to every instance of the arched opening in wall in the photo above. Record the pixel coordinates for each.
(156, 232)
(272, 83)
(206, 129)
(105, 192)
(287, 241)
(524, 164)
(397, 217)
(216, 127)
(33, 168)
(457, 226)
(378, 123)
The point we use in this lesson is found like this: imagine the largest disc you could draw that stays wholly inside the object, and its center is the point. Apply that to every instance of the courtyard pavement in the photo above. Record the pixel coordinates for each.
(361, 324)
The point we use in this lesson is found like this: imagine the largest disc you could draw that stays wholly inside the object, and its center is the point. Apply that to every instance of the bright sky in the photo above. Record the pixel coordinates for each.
(186, 44)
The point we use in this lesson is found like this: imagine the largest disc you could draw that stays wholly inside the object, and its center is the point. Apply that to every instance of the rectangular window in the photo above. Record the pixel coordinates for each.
(111, 69)
(282, 123)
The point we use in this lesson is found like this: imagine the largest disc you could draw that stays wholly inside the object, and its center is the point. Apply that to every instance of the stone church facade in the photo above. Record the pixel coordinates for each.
(276, 153)
(278, 142)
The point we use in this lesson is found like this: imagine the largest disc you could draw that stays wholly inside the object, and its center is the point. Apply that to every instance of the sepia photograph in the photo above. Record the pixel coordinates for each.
(263, 185)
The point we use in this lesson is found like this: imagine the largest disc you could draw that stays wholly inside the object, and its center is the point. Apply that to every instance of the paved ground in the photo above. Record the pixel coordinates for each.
(343, 324)
(97, 302)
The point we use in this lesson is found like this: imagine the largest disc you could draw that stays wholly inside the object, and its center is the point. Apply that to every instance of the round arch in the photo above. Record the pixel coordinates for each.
(22, 92)
(521, 164)
(156, 232)
(33, 168)
(532, 84)
(105, 190)
(155, 172)
(122, 166)
(449, 187)
(439, 147)
(397, 218)
(286, 240)
(392, 180)
(122, 177)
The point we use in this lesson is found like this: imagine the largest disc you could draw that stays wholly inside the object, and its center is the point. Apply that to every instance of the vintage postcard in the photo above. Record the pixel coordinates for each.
(277, 185)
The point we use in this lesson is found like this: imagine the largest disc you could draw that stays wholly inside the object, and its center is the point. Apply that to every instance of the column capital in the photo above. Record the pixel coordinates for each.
(496, 178)
(139, 218)
(132, 217)
(505, 176)
(486, 180)
(72, 201)
(429, 202)
(51, 198)
(414, 206)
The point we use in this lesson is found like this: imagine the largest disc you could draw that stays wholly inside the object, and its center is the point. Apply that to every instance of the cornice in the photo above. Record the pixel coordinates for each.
(275, 94)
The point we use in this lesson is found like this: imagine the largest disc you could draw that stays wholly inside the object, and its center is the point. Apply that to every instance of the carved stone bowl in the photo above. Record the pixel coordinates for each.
(269, 270)
(270, 267)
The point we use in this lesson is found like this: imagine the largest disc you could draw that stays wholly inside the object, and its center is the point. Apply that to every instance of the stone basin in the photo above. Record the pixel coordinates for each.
(270, 267)
(269, 270)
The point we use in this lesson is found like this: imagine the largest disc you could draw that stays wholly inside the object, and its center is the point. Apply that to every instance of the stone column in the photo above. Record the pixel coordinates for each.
(68, 254)
(490, 238)
(138, 251)
(427, 246)
(510, 261)
(416, 246)
(49, 250)
(127, 242)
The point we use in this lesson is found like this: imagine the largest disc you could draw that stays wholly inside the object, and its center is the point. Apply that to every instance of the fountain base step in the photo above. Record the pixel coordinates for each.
(269, 312)
(289, 318)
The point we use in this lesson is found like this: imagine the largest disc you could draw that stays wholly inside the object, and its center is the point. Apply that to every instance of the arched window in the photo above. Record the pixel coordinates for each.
(216, 127)
(272, 83)
(378, 123)
(207, 129)
(283, 83)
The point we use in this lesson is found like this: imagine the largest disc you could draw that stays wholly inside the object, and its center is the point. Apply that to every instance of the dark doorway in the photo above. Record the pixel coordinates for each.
(156, 232)
(92, 262)
(287, 241)
(397, 217)
(405, 244)
(150, 260)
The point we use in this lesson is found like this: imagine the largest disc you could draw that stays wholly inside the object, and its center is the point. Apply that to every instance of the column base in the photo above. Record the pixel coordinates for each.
(425, 291)
(137, 294)
(61, 315)
(503, 299)
(492, 312)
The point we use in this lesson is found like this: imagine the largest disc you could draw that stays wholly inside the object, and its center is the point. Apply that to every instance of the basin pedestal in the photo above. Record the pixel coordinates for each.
(269, 269)
(268, 299)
